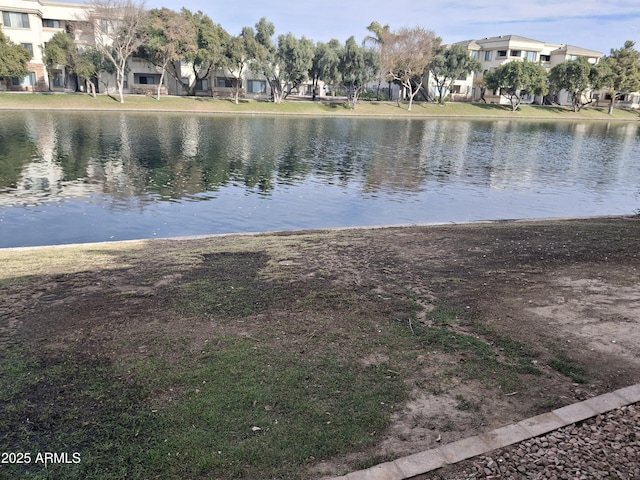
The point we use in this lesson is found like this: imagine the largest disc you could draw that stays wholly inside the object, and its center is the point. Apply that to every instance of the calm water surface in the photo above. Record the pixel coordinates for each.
(85, 177)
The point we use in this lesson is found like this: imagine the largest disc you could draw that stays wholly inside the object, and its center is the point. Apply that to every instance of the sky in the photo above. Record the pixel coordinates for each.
(591, 24)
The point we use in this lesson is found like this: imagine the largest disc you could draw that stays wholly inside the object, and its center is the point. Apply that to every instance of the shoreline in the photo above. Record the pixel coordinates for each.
(320, 231)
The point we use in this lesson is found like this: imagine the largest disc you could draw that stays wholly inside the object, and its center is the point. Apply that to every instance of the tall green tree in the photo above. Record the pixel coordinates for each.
(621, 72)
(13, 58)
(378, 33)
(265, 58)
(238, 59)
(325, 64)
(87, 64)
(516, 79)
(450, 63)
(205, 53)
(60, 50)
(406, 56)
(577, 77)
(169, 38)
(294, 58)
(358, 66)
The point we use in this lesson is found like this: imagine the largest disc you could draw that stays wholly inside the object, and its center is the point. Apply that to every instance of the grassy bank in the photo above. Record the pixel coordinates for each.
(205, 104)
(286, 356)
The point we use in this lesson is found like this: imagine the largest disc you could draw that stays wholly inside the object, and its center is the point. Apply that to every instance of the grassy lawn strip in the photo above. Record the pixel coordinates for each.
(325, 107)
(238, 410)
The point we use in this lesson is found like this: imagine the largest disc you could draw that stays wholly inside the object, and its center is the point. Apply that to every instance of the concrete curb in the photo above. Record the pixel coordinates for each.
(429, 460)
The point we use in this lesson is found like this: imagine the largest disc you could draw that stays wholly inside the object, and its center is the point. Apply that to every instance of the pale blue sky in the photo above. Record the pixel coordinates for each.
(591, 24)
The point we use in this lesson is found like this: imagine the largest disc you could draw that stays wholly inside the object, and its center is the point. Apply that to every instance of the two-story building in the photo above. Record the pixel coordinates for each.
(493, 52)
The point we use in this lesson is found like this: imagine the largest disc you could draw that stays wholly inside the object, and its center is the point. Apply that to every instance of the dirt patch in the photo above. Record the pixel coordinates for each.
(529, 301)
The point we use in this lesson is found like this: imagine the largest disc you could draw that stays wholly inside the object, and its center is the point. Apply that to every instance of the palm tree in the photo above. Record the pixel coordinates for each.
(379, 33)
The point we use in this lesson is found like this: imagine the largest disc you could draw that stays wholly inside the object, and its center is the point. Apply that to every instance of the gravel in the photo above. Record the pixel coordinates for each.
(603, 447)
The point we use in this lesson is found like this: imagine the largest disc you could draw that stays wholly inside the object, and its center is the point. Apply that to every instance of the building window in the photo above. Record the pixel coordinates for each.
(15, 20)
(146, 80)
(487, 56)
(475, 54)
(516, 53)
(573, 57)
(531, 56)
(108, 27)
(502, 53)
(28, 47)
(58, 78)
(257, 86)
(51, 23)
(28, 81)
(545, 58)
(202, 85)
(222, 82)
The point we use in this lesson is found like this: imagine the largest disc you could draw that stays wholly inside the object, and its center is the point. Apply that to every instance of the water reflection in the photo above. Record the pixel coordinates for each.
(317, 171)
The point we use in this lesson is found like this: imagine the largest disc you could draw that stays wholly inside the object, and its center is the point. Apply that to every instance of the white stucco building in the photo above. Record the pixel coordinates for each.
(493, 52)
(32, 23)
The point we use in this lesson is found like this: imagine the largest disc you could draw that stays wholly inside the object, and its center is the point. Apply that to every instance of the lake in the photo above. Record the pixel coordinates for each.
(70, 177)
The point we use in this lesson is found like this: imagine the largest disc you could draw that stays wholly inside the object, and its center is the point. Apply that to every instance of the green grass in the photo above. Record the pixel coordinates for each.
(479, 358)
(324, 107)
(305, 408)
(148, 417)
(569, 368)
(71, 404)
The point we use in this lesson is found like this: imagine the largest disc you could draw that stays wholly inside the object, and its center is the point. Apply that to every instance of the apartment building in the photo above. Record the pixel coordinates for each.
(32, 23)
(493, 52)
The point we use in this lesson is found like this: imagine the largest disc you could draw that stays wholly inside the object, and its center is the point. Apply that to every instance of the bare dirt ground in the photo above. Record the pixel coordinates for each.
(566, 287)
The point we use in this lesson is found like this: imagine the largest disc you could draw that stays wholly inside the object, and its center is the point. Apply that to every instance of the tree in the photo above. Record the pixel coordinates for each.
(516, 79)
(576, 77)
(449, 64)
(238, 59)
(294, 58)
(206, 52)
(119, 27)
(169, 38)
(406, 55)
(13, 58)
(620, 72)
(358, 66)
(87, 64)
(378, 33)
(325, 64)
(59, 51)
(377, 39)
(264, 56)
